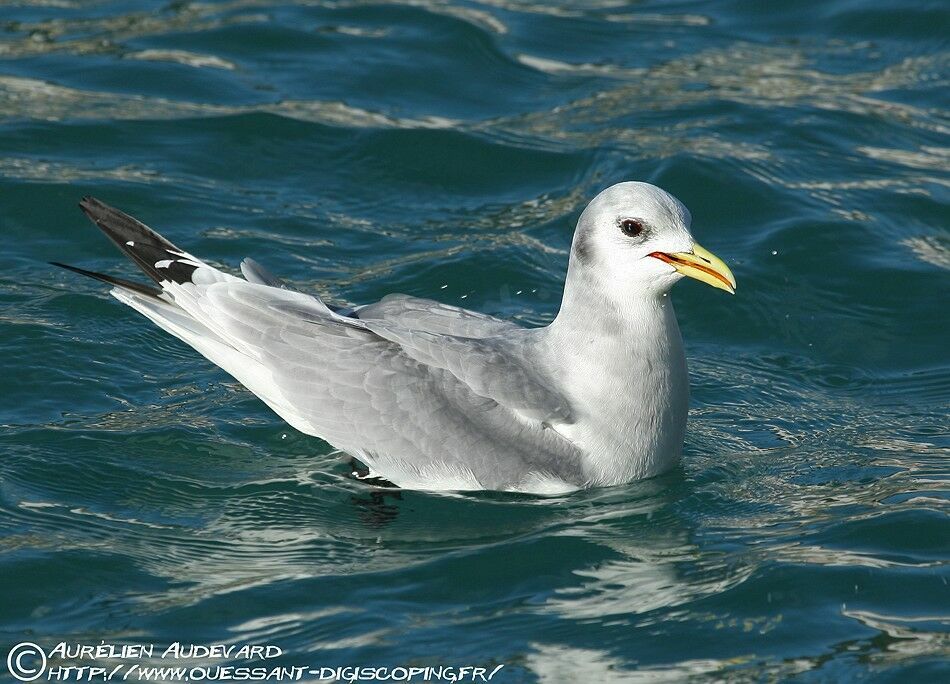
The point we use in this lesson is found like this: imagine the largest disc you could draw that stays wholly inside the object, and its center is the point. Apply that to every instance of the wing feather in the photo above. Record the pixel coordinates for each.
(415, 313)
(431, 396)
(416, 398)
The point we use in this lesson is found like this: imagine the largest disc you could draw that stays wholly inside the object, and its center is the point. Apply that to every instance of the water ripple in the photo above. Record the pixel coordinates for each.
(445, 148)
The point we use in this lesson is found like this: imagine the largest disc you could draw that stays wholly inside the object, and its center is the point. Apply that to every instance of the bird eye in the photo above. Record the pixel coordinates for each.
(631, 227)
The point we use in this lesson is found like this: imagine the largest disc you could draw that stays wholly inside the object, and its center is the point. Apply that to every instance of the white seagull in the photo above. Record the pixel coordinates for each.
(436, 397)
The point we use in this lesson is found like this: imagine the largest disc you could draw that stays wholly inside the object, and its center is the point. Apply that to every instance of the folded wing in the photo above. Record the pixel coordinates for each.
(429, 396)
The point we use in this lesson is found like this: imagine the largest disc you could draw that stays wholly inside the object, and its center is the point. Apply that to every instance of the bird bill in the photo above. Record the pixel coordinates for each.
(701, 264)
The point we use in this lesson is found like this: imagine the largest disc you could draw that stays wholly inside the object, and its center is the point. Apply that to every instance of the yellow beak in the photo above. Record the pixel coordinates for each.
(703, 265)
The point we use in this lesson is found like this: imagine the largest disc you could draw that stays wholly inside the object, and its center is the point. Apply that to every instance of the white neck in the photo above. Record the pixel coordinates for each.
(625, 375)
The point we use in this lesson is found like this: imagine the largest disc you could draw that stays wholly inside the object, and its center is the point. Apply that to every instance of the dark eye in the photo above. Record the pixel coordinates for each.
(631, 227)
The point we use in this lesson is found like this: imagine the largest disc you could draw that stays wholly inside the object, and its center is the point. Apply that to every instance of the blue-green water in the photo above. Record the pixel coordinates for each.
(444, 148)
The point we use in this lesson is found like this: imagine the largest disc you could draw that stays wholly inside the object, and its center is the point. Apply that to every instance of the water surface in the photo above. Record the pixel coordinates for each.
(444, 149)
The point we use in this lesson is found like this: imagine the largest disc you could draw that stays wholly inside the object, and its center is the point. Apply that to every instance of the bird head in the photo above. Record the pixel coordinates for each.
(637, 238)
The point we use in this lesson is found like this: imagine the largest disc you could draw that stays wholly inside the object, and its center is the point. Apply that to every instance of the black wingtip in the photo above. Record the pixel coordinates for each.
(90, 206)
(137, 241)
(111, 280)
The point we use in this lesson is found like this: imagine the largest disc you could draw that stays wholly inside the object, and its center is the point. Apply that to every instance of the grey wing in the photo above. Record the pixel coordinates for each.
(415, 313)
(422, 410)
(474, 347)
(493, 367)
(417, 389)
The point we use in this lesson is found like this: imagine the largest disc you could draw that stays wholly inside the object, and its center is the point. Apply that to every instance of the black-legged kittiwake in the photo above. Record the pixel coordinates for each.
(432, 396)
